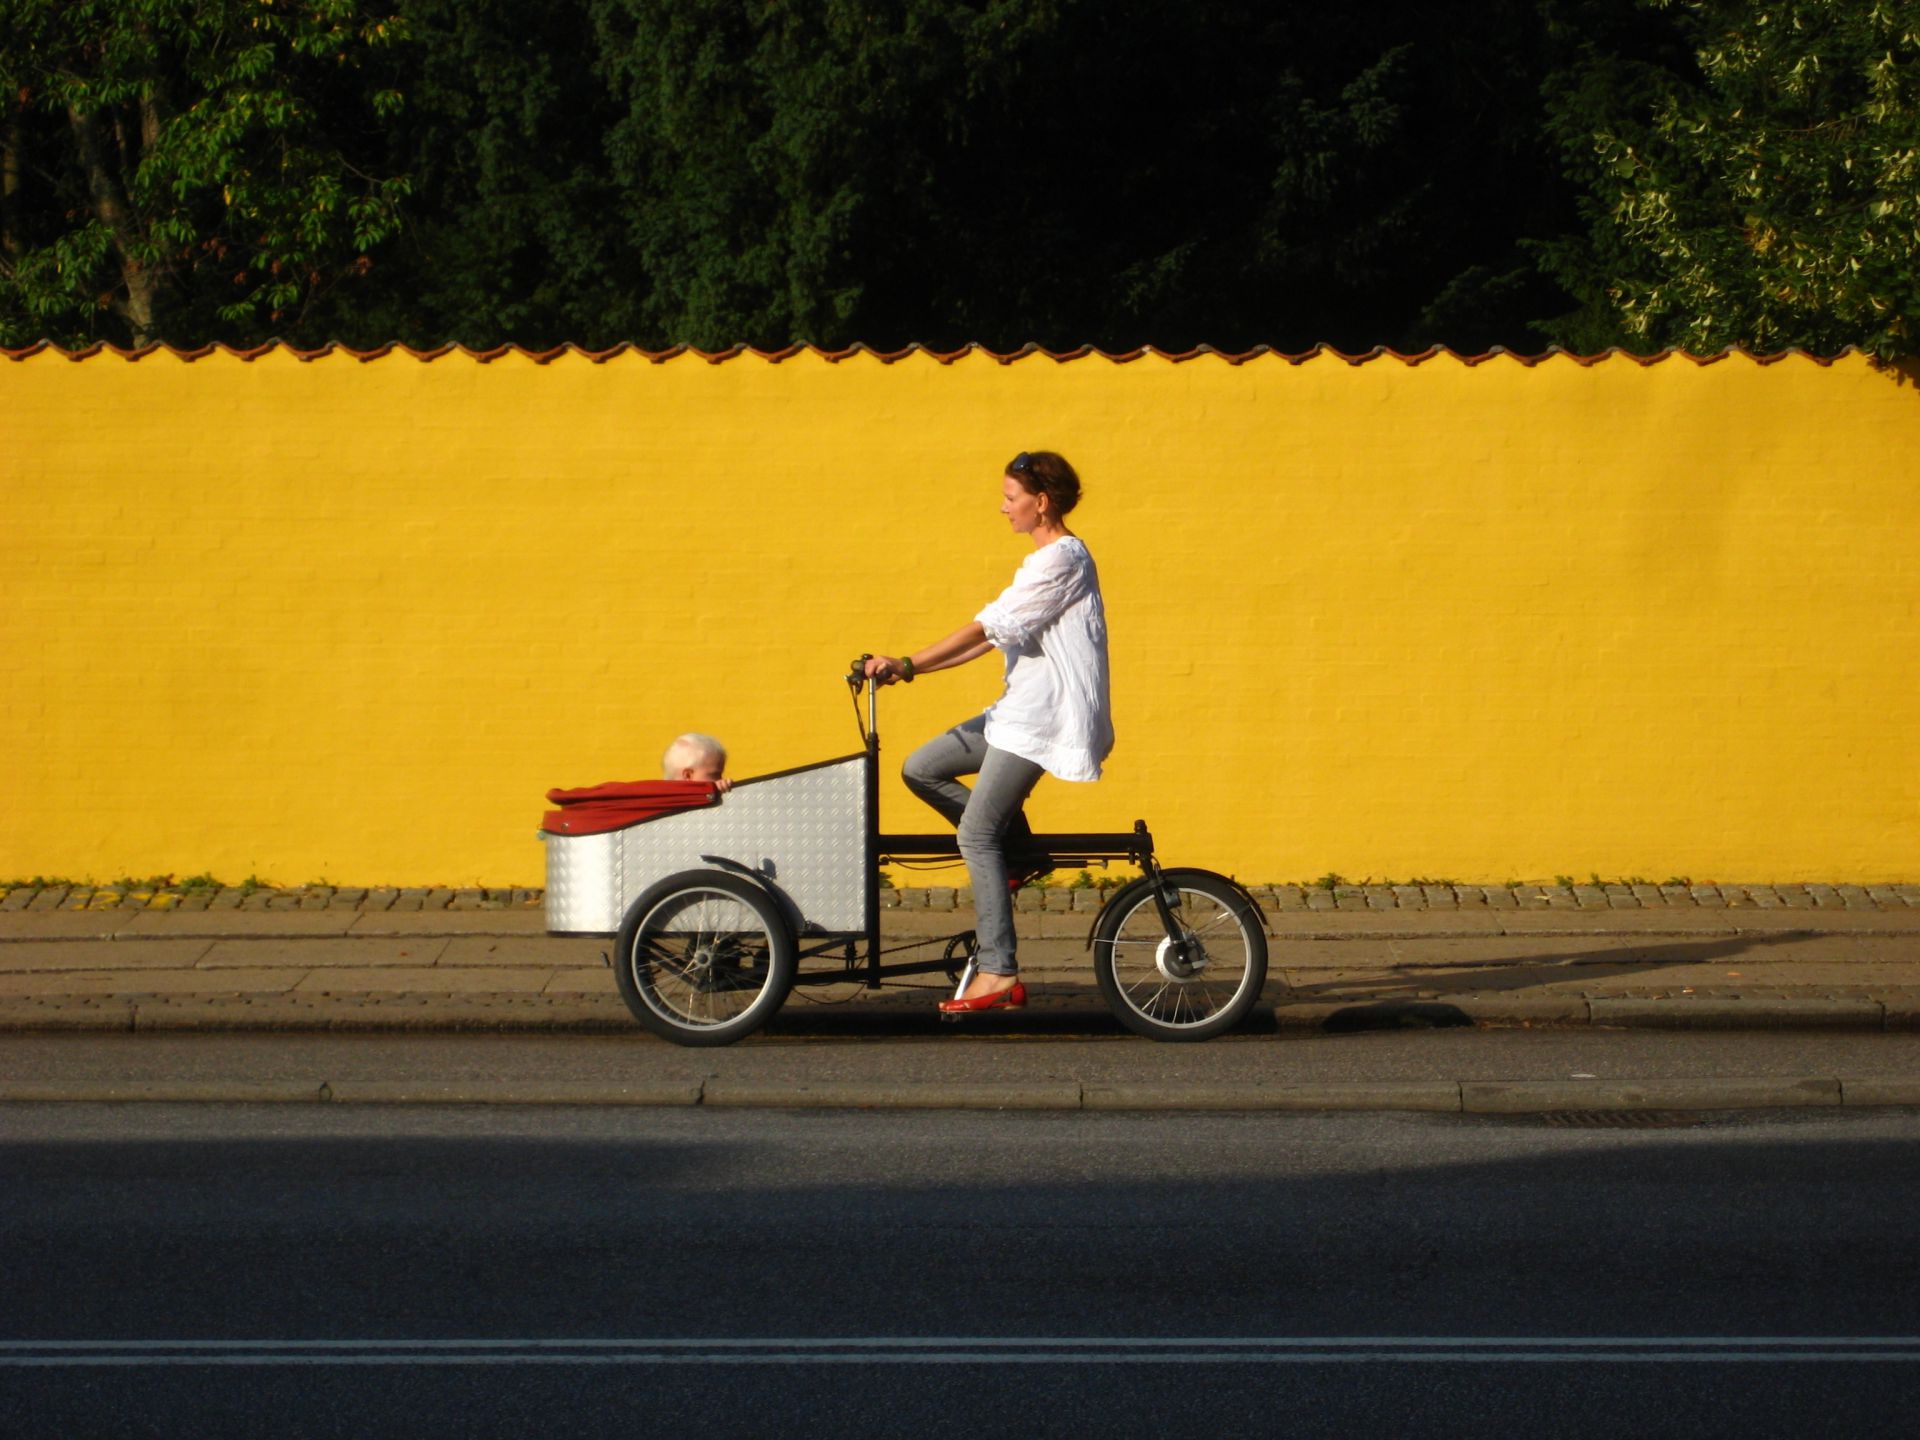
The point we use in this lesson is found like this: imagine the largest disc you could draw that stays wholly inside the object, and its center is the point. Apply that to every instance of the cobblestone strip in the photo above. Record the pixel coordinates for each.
(1629, 895)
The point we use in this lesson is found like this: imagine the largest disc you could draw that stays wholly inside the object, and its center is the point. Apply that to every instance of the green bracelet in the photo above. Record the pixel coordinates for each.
(906, 669)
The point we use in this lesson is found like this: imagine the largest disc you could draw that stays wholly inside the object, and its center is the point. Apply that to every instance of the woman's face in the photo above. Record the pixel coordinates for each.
(1020, 505)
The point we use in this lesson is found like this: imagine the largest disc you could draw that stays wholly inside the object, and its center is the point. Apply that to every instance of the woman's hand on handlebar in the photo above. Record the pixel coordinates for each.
(884, 669)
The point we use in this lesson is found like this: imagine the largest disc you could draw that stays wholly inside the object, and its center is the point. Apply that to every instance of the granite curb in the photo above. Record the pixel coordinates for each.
(1455, 1097)
(1074, 1009)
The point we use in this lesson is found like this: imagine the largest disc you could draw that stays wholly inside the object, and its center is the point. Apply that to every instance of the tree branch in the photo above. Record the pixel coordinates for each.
(10, 144)
(110, 203)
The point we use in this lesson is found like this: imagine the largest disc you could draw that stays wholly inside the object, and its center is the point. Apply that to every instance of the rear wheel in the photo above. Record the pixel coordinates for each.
(1190, 981)
(704, 958)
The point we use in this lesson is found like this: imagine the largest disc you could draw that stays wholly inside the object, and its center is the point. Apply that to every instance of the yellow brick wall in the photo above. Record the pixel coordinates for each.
(349, 620)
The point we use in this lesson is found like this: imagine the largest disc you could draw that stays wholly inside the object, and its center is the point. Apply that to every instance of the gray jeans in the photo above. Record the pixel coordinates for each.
(989, 820)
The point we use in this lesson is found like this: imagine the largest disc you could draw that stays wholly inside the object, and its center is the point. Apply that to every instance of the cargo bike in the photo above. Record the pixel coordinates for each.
(721, 904)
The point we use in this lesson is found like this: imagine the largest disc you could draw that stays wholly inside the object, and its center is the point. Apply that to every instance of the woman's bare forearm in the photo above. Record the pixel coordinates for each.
(969, 642)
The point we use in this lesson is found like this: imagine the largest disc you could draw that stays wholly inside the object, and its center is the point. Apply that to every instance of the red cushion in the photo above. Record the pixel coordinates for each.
(613, 806)
(688, 792)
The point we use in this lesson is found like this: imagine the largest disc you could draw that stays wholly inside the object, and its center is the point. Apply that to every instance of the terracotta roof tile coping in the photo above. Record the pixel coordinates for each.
(888, 357)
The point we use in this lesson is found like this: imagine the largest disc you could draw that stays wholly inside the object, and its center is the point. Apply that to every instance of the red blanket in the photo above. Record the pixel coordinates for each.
(599, 808)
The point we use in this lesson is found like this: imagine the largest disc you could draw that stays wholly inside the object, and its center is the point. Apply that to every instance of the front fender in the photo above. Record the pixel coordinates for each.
(1141, 886)
(796, 922)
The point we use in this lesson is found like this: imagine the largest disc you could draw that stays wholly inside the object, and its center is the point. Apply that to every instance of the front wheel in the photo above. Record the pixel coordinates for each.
(1190, 981)
(704, 958)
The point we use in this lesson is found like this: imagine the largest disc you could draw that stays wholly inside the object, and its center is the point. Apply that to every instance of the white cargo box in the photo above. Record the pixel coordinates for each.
(803, 831)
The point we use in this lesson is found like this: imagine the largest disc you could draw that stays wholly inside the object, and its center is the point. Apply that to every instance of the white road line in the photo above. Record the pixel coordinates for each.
(975, 1342)
(965, 1350)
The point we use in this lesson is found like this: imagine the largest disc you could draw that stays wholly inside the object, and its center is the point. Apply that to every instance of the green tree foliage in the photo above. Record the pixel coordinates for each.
(946, 171)
(514, 229)
(770, 156)
(182, 168)
(1116, 173)
(1757, 184)
(1071, 172)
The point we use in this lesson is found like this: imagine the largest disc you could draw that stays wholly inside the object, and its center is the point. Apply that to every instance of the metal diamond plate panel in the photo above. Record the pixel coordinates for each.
(806, 832)
(582, 894)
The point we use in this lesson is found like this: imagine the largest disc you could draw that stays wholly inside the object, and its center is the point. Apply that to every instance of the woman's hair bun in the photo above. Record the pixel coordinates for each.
(1043, 472)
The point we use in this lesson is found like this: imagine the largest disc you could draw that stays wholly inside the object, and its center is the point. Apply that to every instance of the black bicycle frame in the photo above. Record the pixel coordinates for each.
(1061, 850)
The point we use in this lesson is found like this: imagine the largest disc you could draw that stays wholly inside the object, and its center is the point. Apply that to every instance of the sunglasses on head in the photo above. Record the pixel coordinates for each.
(1020, 464)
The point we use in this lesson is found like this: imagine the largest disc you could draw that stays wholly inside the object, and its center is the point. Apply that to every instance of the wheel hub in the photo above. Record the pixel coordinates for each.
(717, 965)
(1179, 960)
(700, 967)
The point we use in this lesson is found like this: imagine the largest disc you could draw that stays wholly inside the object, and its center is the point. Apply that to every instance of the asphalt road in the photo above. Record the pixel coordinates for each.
(940, 1057)
(319, 1271)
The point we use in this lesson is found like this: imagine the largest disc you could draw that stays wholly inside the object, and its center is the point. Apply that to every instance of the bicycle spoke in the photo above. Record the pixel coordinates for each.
(1209, 942)
(704, 959)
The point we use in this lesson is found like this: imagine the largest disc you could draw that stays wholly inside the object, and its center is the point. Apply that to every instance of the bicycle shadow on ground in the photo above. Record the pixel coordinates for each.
(1388, 998)
(1414, 997)
(1057, 1010)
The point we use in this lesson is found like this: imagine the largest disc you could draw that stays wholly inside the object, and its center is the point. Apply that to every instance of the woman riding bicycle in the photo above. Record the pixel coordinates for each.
(1053, 716)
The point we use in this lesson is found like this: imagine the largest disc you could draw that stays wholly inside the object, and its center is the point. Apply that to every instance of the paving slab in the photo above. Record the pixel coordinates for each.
(898, 1095)
(446, 922)
(65, 1013)
(329, 952)
(1638, 981)
(238, 923)
(1881, 1090)
(43, 956)
(1524, 1009)
(430, 1014)
(1529, 1096)
(1376, 924)
(529, 1011)
(517, 1092)
(1797, 946)
(582, 981)
(1607, 922)
(1433, 1095)
(1718, 1014)
(524, 950)
(1902, 1009)
(108, 1091)
(424, 980)
(1319, 1015)
(231, 1013)
(65, 924)
(152, 982)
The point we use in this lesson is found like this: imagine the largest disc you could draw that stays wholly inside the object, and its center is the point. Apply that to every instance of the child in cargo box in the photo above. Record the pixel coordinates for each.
(697, 757)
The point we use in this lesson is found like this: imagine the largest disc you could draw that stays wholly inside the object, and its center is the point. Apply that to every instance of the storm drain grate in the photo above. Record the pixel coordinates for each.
(1621, 1119)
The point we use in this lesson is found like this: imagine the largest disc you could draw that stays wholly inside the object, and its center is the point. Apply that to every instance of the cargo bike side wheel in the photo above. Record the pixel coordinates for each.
(1189, 981)
(704, 958)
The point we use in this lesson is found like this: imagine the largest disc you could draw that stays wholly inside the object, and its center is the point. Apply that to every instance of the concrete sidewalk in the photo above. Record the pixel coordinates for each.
(1841, 958)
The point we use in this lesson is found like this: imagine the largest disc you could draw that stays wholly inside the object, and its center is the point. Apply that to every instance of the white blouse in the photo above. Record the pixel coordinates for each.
(1051, 628)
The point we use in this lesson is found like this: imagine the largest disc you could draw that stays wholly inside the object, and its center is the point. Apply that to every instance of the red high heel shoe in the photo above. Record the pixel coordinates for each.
(1013, 999)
